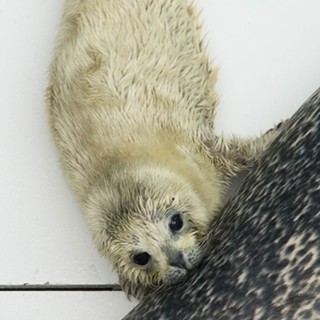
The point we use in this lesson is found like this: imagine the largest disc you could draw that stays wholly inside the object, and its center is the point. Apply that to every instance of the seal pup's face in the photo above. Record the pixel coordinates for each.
(151, 225)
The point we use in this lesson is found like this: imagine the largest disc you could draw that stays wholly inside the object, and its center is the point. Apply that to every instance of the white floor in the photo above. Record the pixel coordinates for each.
(269, 58)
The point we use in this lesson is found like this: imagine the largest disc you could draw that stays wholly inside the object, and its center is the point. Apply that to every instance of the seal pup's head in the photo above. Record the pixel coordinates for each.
(151, 220)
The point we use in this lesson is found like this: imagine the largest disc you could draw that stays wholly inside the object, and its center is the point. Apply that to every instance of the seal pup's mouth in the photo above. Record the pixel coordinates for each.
(175, 276)
(178, 268)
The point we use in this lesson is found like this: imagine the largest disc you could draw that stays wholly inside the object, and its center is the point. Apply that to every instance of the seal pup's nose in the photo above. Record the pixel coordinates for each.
(177, 260)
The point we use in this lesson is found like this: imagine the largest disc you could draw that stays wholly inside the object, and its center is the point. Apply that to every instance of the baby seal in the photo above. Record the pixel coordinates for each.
(131, 109)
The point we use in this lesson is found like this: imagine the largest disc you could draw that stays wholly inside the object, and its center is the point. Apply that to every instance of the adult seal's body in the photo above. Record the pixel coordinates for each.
(131, 109)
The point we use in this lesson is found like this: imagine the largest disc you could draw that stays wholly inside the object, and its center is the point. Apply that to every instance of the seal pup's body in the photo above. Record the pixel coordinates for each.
(131, 109)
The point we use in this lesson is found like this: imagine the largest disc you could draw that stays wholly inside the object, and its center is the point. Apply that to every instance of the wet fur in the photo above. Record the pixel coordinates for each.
(131, 105)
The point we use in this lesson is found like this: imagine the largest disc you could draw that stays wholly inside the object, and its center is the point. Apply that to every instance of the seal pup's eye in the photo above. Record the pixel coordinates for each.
(141, 258)
(176, 222)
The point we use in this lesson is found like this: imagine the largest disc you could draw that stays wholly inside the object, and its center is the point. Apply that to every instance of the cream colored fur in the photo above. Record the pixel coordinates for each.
(131, 105)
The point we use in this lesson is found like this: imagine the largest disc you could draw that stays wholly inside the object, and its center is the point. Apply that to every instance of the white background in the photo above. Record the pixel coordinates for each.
(268, 53)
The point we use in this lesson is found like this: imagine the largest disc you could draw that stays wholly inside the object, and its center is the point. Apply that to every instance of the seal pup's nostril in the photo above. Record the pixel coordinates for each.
(177, 261)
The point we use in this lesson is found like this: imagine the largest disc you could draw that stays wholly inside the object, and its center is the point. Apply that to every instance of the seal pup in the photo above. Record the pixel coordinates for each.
(131, 106)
